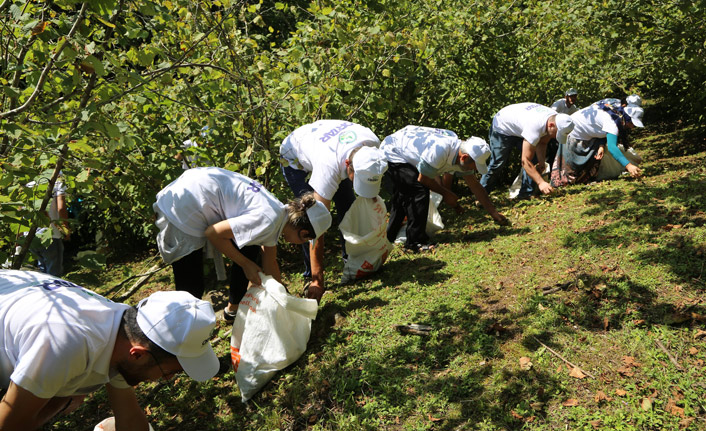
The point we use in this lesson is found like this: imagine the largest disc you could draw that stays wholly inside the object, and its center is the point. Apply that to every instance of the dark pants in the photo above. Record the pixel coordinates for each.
(343, 199)
(410, 198)
(188, 274)
(500, 148)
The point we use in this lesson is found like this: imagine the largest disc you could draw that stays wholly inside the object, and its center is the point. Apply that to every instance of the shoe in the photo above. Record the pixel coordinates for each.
(229, 316)
(418, 247)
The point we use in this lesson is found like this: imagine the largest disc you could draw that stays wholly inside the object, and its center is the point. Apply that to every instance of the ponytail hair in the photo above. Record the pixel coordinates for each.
(297, 216)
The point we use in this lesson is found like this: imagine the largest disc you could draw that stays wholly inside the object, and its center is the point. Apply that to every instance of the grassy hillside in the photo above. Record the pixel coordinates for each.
(608, 276)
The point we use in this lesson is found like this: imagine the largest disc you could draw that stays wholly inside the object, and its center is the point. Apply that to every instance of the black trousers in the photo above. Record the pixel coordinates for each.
(188, 274)
(410, 198)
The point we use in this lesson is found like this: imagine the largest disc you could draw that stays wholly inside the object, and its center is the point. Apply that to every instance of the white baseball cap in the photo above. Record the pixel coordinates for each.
(634, 99)
(320, 218)
(479, 151)
(369, 164)
(564, 126)
(181, 324)
(635, 113)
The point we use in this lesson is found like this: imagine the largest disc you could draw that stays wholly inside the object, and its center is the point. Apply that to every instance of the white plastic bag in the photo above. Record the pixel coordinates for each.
(363, 228)
(514, 190)
(270, 332)
(108, 424)
(611, 168)
(434, 221)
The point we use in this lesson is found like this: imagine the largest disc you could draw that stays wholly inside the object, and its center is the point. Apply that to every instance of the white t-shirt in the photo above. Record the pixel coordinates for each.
(191, 160)
(57, 337)
(322, 149)
(201, 197)
(525, 120)
(53, 213)
(560, 107)
(438, 148)
(592, 122)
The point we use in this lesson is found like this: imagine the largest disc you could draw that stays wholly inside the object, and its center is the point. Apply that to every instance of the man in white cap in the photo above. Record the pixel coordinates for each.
(567, 104)
(528, 127)
(415, 156)
(61, 342)
(341, 159)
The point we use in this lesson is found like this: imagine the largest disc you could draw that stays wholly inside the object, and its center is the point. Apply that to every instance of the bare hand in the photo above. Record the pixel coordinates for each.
(451, 199)
(251, 270)
(633, 170)
(315, 291)
(501, 220)
(545, 188)
(599, 153)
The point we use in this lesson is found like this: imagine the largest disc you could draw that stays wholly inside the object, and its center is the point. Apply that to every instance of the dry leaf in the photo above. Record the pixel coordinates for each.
(674, 409)
(646, 404)
(313, 419)
(516, 415)
(620, 392)
(684, 423)
(693, 351)
(39, 28)
(433, 419)
(606, 323)
(576, 372)
(558, 369)
(601, 396)
(625, 371)
(630, 361)
(525, 363)
(639, 322)
(571, 402)
(596, 424)
(700, 334)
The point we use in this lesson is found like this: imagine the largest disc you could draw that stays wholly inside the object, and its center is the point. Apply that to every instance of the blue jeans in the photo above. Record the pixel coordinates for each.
(500, 148)
(343, 199)
(50, 260)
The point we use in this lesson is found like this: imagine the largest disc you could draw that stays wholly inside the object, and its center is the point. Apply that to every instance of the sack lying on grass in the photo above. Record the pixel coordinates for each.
(434, 221)
(514, 190)
(270, 332)
(363, 228)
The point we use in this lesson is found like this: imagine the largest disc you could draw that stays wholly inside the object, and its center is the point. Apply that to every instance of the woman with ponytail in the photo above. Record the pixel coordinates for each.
(214, 208)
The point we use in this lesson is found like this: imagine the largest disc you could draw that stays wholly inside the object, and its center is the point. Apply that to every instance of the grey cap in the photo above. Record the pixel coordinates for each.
(571, 92)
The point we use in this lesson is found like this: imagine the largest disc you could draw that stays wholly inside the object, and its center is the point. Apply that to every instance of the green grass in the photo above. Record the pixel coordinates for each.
(630, 254)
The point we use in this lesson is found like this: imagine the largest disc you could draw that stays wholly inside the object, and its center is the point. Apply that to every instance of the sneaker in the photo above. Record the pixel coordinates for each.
(418, 247)
(229, 316)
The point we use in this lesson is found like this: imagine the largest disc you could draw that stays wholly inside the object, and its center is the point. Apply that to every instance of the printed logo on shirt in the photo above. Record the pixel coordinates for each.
(533, 106)
(56, 284)
(335, 131)
(347, 137)
(254, 186)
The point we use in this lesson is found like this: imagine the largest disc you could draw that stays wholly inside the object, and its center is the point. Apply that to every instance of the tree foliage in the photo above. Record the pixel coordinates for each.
(106, 91)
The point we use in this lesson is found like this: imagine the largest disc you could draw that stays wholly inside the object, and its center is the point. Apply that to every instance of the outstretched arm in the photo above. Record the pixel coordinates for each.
(528, 153)
(129, 415)
(482, 196)
(450, 197)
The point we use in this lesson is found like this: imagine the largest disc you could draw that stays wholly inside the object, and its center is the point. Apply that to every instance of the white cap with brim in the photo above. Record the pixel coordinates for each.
(320, 219)
(635, 113)
(369, 165)
(634, 99)
(479, 150)
(564, 126)
(181, 324)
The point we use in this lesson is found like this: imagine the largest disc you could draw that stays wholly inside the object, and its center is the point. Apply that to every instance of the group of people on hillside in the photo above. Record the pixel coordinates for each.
(61, 341)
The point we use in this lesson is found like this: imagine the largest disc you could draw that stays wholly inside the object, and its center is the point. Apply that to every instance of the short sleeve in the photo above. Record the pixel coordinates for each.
(50, 357)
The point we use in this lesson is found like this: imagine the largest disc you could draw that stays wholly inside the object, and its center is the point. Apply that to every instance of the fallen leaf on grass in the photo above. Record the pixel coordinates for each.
(571, 402)
(646, 404)
(630, 361)
(596, 424)
(576, 372)
(626, 371)
(693, 351)
(620, 392)
(700, 334)
(313, 419)
(601, 396)
(525, 363)
(639, 322)
(674, 409)
(684, 423)
(516, 415)
(433, 419)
